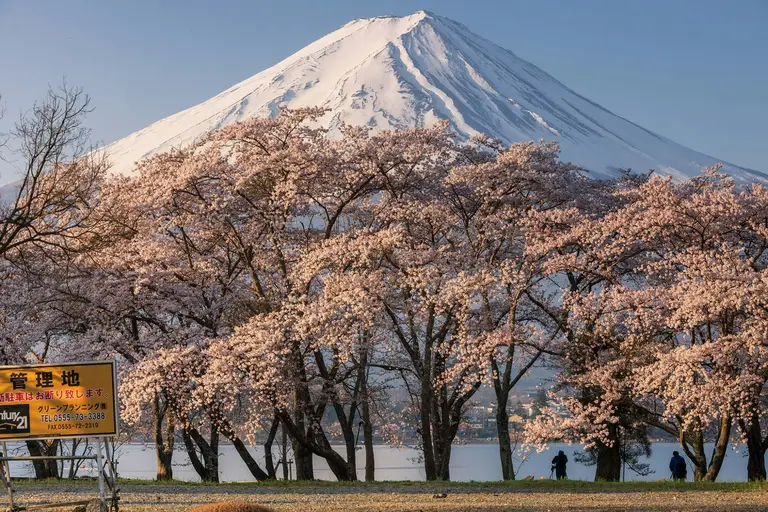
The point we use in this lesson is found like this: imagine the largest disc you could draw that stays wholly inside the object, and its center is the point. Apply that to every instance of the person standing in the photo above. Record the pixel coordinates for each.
(677, 467)
(558, 464)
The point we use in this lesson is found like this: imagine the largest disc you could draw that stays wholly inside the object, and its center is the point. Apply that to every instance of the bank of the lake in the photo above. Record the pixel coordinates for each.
(469, 462)
(548, 495)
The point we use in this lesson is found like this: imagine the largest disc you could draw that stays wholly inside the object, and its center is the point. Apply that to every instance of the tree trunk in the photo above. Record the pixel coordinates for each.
(365, 412)
(505, 444)
(198, 466)
(163, 447)
(212, 457)
(756, 447)
(208, 468)
(304, 465)
(695, 452)
(370, 462)
(430, 468)
(301, 452)
(343, 470)
(284, 454)
(269, 460)
(74, 465)
(444, 467)
(44, 468)
(314, 441)
(226, 429)
(609, 458)
(256, 471)
(351, 448)
(720, 450)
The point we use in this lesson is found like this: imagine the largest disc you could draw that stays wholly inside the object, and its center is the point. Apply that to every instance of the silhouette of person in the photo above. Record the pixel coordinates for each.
(677, 467)
(558, 464)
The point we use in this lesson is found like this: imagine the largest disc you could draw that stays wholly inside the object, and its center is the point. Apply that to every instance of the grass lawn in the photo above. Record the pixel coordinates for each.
(541, 495)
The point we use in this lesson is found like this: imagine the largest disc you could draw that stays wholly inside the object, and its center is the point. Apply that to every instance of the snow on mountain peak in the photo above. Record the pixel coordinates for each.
(395, 72)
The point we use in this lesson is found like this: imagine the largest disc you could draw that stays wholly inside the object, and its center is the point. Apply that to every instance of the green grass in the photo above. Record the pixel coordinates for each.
(576, 486)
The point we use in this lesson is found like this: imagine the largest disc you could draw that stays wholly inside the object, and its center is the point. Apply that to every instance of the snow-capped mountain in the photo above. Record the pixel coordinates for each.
(390, 72)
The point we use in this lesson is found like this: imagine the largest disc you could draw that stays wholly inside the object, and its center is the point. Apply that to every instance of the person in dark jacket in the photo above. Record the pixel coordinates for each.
(558, 464)
(677, 467)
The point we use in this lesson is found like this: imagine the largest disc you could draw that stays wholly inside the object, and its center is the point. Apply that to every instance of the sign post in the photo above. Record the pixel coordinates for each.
(7, 475)
(49, 401)
(100, 465)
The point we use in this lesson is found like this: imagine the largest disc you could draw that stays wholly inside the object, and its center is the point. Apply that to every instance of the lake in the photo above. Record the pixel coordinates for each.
(478, 462)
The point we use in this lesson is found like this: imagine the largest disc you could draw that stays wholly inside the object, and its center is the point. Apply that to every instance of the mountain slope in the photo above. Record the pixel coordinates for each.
(409, 71)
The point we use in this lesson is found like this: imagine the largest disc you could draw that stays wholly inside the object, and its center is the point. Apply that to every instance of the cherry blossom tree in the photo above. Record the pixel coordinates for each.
(672, 343)
(270, 275)
(492, 196)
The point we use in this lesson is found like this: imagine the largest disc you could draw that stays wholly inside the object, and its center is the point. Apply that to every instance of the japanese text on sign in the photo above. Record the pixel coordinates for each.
(67, 400)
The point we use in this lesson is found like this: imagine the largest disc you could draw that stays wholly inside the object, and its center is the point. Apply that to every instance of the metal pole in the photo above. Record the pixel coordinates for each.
(100, 464)
(8, 478)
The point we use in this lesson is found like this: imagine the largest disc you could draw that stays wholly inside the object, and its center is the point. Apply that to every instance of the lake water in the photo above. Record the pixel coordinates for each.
(471, 462)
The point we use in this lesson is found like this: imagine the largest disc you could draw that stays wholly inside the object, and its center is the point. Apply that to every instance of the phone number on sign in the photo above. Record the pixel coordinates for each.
(56, 418)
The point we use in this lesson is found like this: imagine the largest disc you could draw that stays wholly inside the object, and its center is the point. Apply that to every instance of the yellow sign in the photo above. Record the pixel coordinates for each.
(62, 400)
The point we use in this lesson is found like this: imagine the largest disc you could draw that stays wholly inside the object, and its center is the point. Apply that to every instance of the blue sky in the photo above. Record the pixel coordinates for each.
(695, 71)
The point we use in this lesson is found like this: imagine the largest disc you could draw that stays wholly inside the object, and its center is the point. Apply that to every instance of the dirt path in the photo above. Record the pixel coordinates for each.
(173, 498)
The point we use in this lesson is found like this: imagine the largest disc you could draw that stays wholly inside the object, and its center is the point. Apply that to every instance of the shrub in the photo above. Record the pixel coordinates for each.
(232, 506)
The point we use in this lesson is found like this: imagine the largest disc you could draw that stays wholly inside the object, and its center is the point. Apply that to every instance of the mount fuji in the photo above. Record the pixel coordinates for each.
(398, 72)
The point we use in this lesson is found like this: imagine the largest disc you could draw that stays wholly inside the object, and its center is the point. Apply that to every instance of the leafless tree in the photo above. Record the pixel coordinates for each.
(49, 213)
(51, 205)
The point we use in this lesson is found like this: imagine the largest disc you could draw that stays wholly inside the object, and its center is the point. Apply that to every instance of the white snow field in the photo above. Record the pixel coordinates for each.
(392, 72)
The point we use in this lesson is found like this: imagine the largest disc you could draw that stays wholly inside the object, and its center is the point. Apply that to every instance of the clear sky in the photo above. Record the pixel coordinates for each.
(695, 71)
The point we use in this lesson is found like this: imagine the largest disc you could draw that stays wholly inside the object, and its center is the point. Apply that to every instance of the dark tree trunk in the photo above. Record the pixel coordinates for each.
(694, 449)
(365, 411)
(314, 441)
(446, 419)
(505, 444)
(440, 439)
(226, 429)
(342, 469)
(208, 468)
(440, 420)
(444, 461)
(370, 462)
(284, 454)
(346, 469)
(756, 447)
(163, 446)
(304, 465)
(609, 458)
(503, 383)
(74, 464)
(256, 471)
(695, 453)
(430, 467)
(269, 460)
(44, 468)
(351, 449)
(302, 454)
(720, 450)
